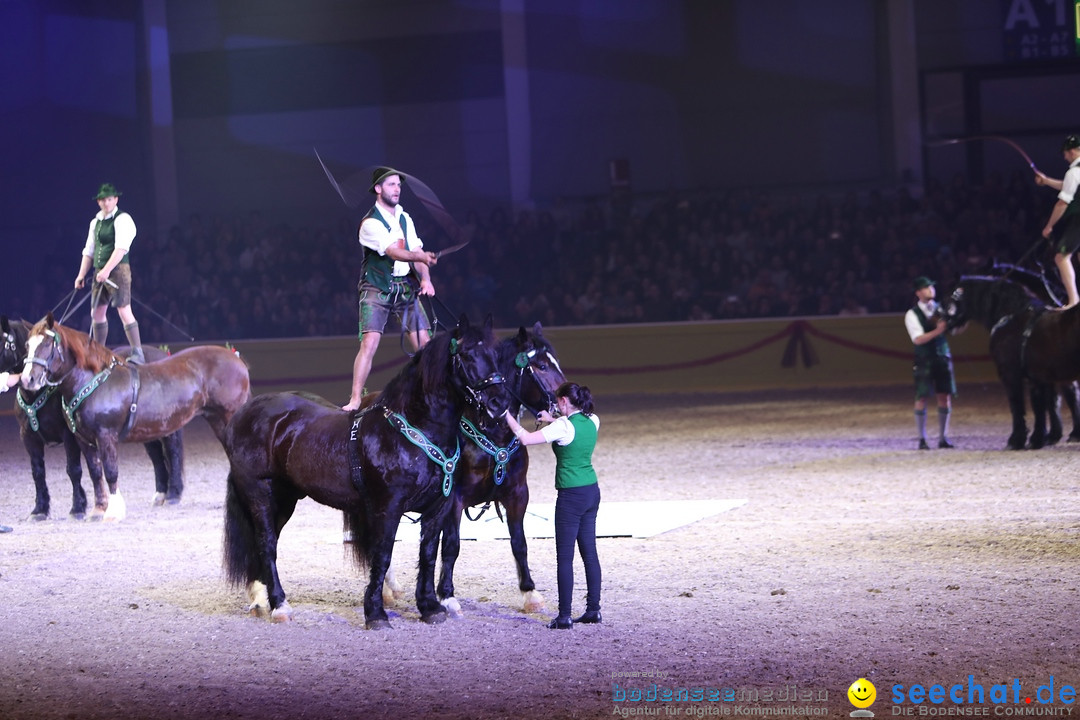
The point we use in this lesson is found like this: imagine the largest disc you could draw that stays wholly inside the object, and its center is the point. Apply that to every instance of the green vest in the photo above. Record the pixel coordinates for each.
(573, 462)
(378, 270)
(938, 347)
(105, 242)
(1073, 207)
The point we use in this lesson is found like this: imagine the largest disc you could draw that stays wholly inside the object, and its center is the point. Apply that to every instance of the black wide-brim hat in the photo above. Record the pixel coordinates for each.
(107, 190)
(380, 174)
(922, 282)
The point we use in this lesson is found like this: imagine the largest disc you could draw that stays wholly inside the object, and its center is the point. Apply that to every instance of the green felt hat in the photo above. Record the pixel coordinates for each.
(922, 282)
(107, 190)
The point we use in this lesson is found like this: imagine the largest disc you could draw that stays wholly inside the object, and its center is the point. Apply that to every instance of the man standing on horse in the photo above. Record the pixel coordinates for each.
(933, 361)
(391, 252)
(106, 250)
(1065, 215)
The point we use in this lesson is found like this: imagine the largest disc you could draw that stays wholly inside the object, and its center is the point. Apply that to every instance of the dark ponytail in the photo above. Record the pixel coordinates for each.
(579, 396)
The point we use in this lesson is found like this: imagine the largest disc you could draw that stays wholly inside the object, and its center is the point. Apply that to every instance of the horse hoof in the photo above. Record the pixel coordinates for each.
(282, 613)
(97, 515)
(159, 499)
(434, 617)
(534, 602)
(76, 516)
(1073, 438)
(38, 517)
(453, 607)
(378, 625)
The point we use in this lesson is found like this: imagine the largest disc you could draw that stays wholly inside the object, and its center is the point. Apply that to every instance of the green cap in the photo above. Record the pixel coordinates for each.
(922, 282)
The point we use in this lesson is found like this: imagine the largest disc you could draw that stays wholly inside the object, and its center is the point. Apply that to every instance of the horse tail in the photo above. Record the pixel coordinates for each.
(241, 562)
(357, 537)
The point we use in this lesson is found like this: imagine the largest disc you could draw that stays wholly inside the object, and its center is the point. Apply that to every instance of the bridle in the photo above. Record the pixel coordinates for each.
(47, 363)
(473, 388)
(523, 363)
(11, 347)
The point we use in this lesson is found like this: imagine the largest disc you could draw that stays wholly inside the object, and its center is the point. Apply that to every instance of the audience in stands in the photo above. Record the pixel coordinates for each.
(713, 255)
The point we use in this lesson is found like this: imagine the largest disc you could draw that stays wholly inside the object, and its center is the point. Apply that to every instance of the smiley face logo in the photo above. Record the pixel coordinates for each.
(862, 693)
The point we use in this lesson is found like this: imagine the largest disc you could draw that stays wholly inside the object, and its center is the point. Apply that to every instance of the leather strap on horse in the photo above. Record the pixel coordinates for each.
(1033, 316)
(84, 392)
(499, 454)
(417, 438)
(356, 468)
(135, 385)
(31, 410)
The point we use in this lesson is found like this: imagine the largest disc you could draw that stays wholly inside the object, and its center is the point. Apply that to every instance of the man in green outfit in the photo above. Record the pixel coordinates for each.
(106, 251)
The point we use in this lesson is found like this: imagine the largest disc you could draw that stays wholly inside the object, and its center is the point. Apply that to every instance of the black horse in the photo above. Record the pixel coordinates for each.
(1029, 342)
(1043, 287)
(494, 466)
(283, 447)
(41, 423)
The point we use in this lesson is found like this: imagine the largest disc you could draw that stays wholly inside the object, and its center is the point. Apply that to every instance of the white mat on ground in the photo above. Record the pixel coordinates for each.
(615, 519)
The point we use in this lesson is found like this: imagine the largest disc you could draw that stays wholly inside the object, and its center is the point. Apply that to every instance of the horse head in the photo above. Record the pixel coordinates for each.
(13, 350)
(46, 361)
(53, 351)
(475, 367)
(531, 359)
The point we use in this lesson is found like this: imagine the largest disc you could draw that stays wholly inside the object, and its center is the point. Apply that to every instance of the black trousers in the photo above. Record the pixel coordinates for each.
(575, 522)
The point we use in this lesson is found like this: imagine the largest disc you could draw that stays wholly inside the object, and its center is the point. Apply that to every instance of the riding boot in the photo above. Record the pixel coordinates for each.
(100, 332)
(132, 332)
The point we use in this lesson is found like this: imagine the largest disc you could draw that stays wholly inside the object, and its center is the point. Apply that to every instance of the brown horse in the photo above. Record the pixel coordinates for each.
(108, 401)
(41, 423)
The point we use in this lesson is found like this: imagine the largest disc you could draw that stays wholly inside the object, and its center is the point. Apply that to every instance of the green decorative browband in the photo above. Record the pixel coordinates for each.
(86, 391)
(500, 455)
(31, 410)
(417, 438)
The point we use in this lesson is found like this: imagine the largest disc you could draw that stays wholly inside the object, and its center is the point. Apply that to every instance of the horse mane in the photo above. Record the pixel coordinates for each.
(1005, 296)
(1036, 281)
(429, 364)
(85, 353)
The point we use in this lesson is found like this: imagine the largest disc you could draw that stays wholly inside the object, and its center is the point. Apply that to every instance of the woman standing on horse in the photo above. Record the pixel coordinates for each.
(573, 438)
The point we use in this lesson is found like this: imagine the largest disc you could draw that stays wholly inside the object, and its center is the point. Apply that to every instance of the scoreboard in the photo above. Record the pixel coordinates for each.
(1041, 29)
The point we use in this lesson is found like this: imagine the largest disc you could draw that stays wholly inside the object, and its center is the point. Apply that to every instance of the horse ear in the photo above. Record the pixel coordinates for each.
(522, 336)
(4, 324)
(463, 322)
(537, 330)
(489, 322)
(49, 320)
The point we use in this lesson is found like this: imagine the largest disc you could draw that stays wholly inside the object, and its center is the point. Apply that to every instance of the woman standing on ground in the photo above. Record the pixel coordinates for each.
(573, 437)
